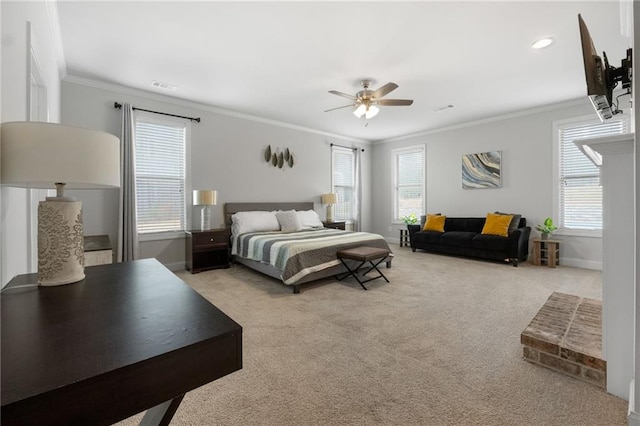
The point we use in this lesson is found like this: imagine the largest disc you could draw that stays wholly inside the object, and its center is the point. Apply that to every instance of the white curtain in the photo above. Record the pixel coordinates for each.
(357, 220)
(127, 227)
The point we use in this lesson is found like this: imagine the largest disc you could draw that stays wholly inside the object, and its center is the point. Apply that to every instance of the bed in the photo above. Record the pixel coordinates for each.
(294, 257)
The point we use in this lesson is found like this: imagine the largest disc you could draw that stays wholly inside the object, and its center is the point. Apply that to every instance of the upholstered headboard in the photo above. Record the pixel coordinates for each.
(231, 208)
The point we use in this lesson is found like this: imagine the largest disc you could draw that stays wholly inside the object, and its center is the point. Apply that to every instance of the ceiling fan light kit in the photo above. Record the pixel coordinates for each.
(365, 101)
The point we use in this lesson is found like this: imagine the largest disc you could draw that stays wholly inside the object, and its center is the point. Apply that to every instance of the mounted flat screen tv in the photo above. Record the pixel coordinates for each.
(601, 77)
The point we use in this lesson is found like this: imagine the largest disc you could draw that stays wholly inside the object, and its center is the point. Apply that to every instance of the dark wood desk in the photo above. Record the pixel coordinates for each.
(129, 337)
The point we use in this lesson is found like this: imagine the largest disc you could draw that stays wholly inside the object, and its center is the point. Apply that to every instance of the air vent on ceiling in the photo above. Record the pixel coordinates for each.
(161, 85)
(442, 108)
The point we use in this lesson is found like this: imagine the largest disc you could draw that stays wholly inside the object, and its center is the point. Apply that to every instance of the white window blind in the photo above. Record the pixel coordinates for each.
(343, 182)
(160, 175)
(580, 188)
(408, 166)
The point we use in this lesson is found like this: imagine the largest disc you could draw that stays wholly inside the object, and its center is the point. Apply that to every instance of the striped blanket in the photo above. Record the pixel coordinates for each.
(299, 254)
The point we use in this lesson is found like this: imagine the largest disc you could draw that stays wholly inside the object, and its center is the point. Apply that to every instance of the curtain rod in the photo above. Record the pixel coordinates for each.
(347, 147)
(117, 105)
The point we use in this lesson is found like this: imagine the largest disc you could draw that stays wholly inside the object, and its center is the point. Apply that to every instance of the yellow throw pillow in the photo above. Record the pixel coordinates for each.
(497, 224)
(435, 222)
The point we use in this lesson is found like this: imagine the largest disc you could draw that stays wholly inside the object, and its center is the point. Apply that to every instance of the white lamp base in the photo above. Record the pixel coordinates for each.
(329, 213)
(60, 243)
(205, 218)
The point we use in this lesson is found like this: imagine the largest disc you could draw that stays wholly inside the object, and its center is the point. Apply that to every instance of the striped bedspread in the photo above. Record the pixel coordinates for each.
(299, 254)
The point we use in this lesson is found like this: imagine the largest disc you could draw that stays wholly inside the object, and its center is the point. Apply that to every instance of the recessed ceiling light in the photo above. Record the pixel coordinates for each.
(542, 43)
(161, 85)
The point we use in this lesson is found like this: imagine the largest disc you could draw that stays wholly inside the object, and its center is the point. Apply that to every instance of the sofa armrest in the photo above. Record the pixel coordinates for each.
(412, 231)
(519, 248)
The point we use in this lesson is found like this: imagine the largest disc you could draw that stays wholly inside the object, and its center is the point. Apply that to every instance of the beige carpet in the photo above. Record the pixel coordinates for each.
(438, 345)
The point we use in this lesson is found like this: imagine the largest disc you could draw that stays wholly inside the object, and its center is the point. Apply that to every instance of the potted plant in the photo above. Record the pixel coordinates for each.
(410, 219)
(546, 228)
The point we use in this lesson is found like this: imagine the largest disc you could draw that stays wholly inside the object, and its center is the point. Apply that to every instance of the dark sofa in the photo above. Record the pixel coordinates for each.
(463, 237)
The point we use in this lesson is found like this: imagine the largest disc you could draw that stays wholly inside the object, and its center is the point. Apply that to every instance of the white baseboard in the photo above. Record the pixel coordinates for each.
(633, 417)
(581, 263)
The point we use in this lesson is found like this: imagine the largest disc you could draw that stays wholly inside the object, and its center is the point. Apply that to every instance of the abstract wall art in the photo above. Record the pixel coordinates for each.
(481, 170)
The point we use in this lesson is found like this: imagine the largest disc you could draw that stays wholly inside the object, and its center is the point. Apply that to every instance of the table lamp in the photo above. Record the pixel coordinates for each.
(329, 200)
(205, 198)
(51, 155)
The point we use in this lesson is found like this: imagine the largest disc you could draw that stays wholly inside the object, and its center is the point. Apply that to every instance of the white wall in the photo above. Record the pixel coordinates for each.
(526, 142)
(226, 155)
(14, 204)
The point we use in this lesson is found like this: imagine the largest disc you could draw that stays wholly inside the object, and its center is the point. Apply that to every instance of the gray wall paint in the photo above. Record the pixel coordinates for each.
(226, 155)
(526, 142)
(15, 202)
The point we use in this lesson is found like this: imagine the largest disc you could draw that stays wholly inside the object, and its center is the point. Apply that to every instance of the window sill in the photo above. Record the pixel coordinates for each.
(159, 236)
(578, 233)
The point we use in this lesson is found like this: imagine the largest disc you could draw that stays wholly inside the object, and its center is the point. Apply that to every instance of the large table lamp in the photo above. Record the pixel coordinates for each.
(329, 200)
(47, 156)
(205, 198)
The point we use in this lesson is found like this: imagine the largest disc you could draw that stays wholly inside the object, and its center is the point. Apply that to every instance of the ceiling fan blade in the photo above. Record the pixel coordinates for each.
(344, 95)
(394, 102)
(387, 88)
(340, 107)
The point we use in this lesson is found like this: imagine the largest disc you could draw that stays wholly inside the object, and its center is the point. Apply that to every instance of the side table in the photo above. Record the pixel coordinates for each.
(404, 237)
(335, 225)
(207, 249)
(546, 252)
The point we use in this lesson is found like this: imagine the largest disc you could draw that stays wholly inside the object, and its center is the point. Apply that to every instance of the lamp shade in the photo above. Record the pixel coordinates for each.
(329, 199)
(37, 155)
(205, 197)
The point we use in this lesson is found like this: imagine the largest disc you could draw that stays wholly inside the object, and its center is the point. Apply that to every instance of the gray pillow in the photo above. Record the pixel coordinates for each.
(288, 221)
(515, 221)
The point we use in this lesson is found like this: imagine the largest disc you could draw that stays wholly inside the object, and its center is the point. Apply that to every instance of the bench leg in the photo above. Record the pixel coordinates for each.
(354, 272)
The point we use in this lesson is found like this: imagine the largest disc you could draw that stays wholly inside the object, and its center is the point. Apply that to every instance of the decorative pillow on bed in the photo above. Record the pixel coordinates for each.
(309, 219)
(256, 221)
(288, 221)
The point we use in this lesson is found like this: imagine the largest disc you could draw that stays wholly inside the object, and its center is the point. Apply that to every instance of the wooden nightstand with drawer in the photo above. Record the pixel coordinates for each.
(207, 250)
(334, 225)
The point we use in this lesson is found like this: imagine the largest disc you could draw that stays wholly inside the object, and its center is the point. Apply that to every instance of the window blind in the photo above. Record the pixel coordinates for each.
(160, 176)
(343, 178)
(409, 181)
(580, 188)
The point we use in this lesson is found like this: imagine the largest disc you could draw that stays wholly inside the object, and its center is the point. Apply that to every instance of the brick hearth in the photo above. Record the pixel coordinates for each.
(566, 336)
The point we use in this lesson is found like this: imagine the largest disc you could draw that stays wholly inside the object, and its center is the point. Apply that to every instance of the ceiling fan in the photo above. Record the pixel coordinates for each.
(365, 101)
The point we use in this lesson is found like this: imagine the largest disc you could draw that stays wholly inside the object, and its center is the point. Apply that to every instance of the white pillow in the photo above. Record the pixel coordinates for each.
(288, 221)
(309, 219)
(255, 221)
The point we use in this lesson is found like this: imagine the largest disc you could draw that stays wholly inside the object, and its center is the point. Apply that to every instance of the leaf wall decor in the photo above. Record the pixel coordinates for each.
(277, 158)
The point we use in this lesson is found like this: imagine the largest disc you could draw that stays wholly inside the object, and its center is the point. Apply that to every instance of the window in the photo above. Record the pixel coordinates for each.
(160, 147)
(408, 181)
(580, 190)
(343, 178)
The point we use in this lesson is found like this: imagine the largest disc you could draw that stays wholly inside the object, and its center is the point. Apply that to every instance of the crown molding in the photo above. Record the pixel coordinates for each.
(501, 117)
(125, 90)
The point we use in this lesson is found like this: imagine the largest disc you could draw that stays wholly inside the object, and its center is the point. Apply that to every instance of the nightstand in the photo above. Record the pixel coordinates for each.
(97, 250)
(207, 250)
(334, 225)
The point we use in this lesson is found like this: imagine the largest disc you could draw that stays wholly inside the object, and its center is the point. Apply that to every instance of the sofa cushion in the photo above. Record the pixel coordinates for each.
(464, 224)
(491, 242)
(427, 237)
(457, 238)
